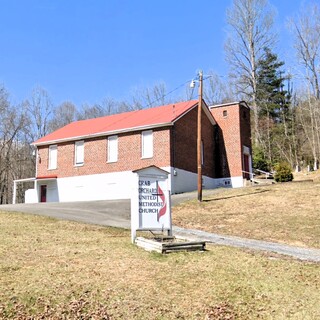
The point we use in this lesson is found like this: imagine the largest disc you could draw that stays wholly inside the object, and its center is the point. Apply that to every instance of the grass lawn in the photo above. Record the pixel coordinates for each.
(285, 213)
(52, 269)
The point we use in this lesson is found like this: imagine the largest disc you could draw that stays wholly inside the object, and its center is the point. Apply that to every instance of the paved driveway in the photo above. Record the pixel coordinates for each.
(115, 213)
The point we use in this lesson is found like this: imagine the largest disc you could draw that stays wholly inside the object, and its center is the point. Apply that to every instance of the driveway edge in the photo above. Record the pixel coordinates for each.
(305, 254)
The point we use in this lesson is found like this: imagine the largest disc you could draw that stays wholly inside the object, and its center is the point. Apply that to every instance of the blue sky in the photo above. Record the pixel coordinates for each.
(84, 51)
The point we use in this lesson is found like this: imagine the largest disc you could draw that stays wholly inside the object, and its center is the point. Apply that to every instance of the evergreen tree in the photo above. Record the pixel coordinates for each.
(271, 96)
(275, 118)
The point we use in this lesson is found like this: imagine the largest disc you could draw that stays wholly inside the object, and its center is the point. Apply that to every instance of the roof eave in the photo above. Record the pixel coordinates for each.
(204, 108)
(208, 113)
(101, 134)
(241, 102)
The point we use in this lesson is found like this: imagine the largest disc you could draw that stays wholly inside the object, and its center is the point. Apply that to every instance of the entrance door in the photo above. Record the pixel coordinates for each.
(246, 166)
(43, 193)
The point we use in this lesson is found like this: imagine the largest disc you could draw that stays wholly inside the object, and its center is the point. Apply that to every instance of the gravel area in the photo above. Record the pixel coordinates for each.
(305, 254)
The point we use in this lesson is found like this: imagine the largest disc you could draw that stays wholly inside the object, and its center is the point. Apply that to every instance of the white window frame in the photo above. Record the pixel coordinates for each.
(79, 153)
(146, 144)
(53, 157)
(112, 155)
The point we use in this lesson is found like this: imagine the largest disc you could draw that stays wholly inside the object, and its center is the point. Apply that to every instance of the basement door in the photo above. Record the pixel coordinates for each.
(246, 166)
(43, 193)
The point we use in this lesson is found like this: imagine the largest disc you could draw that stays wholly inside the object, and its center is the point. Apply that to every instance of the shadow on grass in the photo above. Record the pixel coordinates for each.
(236, 196)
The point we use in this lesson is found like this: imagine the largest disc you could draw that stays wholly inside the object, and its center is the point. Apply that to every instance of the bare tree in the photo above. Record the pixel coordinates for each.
(12, 122)
(64, 114)
(109, 106)
(39, 110)
(16, 159)
(309, 119)
(147, 97)
(90, 111)
(306, 30)
(250, 31)
(216, 91)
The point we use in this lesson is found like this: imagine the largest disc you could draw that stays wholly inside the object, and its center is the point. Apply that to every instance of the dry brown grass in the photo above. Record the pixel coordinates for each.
(286, 213)
(53, 269)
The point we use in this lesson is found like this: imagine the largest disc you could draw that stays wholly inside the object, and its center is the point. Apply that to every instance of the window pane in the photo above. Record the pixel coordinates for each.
(53, 156)
(113, 149)
(79, 152)
(147, 144)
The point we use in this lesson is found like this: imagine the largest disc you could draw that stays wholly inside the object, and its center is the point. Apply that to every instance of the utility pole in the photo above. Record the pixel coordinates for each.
(199, 139)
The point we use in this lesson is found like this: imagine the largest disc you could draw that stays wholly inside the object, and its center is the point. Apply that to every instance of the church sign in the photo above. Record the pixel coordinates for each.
(150, 201)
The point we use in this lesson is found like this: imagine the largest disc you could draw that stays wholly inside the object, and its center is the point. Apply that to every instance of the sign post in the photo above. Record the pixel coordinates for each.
(150, 202)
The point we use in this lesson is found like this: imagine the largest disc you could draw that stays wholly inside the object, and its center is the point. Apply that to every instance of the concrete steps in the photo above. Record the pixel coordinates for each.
(258, 181)
(263, 181)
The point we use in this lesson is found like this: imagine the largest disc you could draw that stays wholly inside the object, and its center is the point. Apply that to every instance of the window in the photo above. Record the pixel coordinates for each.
(79, 153)
(113, 149)
(53, 156)
(147, 144)
(225, 113)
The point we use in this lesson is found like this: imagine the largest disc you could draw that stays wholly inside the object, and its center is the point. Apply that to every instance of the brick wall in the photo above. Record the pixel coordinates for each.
(95, 155)
(222, 147)
(234, 131)
(184, 147)
(183, 153)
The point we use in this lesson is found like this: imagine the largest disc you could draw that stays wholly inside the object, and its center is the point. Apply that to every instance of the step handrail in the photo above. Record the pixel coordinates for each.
(266, 173)
(251, 174)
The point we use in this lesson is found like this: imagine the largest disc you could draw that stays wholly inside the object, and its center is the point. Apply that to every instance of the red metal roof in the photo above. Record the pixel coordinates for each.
(128, 121)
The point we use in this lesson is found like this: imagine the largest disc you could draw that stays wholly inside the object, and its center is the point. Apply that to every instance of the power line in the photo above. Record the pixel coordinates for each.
(170, 92)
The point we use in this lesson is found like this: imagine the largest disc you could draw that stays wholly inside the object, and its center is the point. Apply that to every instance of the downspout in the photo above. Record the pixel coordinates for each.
(14, 192)
(173, 157)
(37, 160)
(173, 147)
(35, 186)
